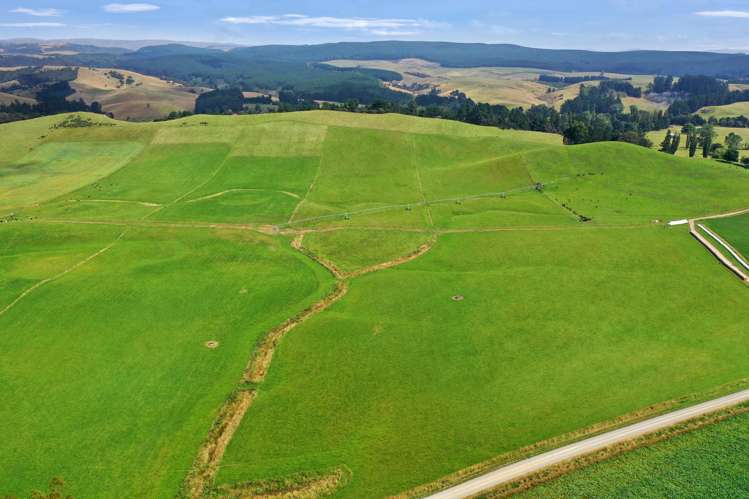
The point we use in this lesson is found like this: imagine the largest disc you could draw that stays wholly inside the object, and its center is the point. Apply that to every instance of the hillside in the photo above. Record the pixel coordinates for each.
(727, 111)
(456, 55)
(342, 303)
(132, 96)
(506, 55)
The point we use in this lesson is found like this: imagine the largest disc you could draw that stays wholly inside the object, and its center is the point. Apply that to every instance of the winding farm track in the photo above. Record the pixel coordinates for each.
(513, 472)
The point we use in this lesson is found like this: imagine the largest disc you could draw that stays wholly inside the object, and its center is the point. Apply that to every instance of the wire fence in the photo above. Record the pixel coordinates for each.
(409, 206)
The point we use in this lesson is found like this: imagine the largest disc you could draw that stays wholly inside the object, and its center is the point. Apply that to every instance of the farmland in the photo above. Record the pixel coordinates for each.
(494, 85)
(707, 462)
(453, 292)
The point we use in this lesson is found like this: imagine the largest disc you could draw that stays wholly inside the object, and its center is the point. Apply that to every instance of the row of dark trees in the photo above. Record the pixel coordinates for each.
(51, 99)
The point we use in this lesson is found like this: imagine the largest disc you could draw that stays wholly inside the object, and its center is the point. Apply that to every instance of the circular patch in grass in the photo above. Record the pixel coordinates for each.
(211, 344)
(458, 298)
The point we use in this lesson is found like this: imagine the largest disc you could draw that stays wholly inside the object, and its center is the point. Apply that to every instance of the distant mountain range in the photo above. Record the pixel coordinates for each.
(122, 44)
(445, 53)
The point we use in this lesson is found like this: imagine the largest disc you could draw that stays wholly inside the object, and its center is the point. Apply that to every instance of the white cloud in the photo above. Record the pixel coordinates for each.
(37, 12)
(130, 8)
(741, 14)
(380, 27)
(386, 32)
(31, 25)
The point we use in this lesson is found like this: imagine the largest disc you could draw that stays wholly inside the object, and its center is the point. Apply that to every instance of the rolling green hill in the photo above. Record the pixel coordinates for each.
(451, 292)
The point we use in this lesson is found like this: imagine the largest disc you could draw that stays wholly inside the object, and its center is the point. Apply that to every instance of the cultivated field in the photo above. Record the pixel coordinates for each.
(340, 302)
(709, 462)
(508, 86)
(138, 97)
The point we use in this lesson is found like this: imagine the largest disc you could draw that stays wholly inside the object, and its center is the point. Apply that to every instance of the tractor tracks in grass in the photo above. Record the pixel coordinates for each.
(200, 480)
(60, 274)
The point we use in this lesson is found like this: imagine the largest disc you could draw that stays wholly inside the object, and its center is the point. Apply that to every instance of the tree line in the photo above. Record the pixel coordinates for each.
(51, 99)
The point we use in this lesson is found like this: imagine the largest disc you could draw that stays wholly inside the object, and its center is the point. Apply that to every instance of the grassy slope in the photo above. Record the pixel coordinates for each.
(710, 462)
(735, 230)
(727, 111)
(184, 283)
(147, 98)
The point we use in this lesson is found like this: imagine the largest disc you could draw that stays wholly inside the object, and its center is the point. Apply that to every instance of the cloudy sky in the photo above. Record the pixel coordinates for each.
(721, 25)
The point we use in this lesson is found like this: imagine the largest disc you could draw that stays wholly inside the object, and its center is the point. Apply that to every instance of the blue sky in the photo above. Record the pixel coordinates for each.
(587, 24)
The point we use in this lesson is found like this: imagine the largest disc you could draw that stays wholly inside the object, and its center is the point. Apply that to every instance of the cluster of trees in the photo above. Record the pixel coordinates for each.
(703, 139)
(622, 87)
(671, 143)
(661, 85)
(732, 122)
(696, 92)
(223, 101)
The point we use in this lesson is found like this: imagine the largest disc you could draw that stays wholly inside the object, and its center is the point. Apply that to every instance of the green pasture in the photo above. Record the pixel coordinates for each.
(56, 167)
(106, 369)
(131, 245)
(618, 183)
(735, 230)
(709, 462)
(404, 385)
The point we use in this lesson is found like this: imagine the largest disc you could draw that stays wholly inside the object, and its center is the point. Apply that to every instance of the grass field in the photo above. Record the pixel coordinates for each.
(727, 111)
(710, 462)
(109, 371)
(143, 99)
(132, 245)
(735, 230)
(403, 385)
